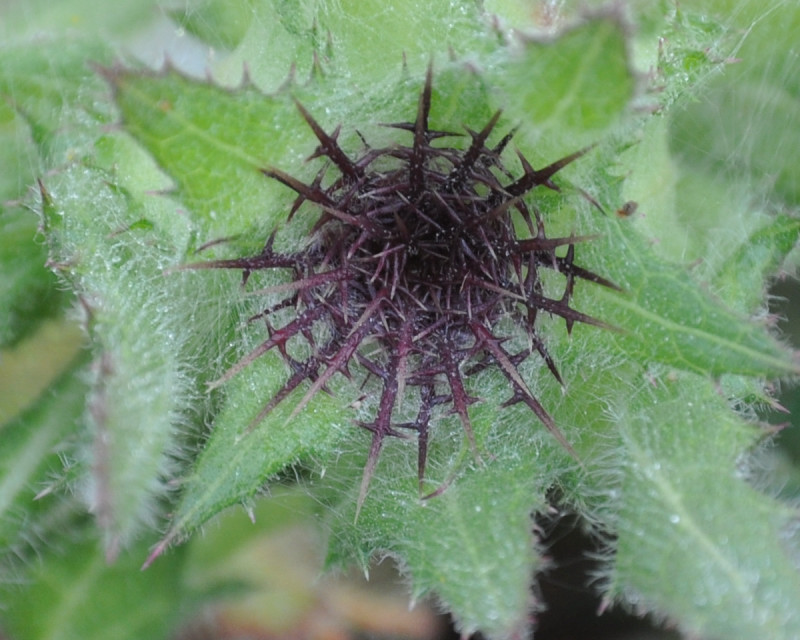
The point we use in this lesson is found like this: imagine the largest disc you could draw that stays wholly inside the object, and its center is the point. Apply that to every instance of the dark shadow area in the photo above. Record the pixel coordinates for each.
(786, 306)
(572, 602)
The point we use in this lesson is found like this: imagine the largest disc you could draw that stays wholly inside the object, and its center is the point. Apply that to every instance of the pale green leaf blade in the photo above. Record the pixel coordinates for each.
(240, 455)
(471, 547)
(372, 37)
(213, 143)
(137, 317)
(694, 540)
(664, 316)
(742, 278)
(568, 91)
(37, 81)
(219, 23)
(51, 86)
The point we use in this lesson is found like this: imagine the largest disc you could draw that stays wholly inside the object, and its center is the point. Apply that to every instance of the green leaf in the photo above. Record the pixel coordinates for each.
(741, 279)
(52, 87)
(213, 143)
(745, 123)
(716, 566)
(664, 316)
(568, 91)
(471, 547)
(75, 594)
(139, 328)
(372, 37)
(241, 455)
(113, 239)
(37, 82)
(220, 23)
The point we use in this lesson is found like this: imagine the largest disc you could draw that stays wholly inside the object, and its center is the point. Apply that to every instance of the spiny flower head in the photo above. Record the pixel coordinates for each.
(413, 261)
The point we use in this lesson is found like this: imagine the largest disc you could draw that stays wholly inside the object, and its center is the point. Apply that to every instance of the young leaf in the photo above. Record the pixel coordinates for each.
(741, 279)
(471, 547)
(665, 317)
(36, 82)
(694, 540)
(213, 143)
(42, 80)
(571, 90)
(244, 451)
(139, 390)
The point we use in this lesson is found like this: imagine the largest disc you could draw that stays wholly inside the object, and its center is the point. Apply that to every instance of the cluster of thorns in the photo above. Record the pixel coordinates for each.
(418, 261)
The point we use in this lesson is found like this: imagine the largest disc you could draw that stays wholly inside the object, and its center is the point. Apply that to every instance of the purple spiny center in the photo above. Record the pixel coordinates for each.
(421, 260)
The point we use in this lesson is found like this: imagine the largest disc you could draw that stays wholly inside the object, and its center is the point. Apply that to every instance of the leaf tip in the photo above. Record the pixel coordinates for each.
(157, 551)
(110, 73)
